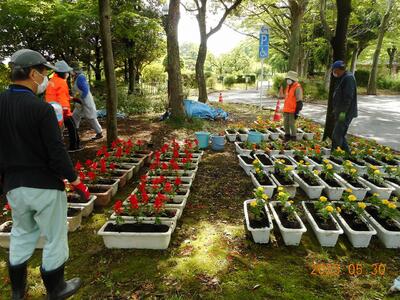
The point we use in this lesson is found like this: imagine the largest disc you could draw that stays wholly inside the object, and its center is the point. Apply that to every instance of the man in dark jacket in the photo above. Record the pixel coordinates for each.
(33, 164)
(344, 104)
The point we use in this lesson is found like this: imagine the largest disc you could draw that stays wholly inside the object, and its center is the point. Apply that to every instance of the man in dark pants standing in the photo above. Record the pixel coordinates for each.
(33, 164)
(344, 104)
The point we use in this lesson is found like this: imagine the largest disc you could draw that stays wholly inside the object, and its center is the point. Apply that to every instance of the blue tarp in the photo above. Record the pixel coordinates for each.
(195, 109)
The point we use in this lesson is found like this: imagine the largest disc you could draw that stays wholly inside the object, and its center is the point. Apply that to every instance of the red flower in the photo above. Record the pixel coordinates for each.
(142, 187)
(118, 207)
(189, 155)
(143, 178)
(118, 154)
(134, 201)
(153, 167)
(114, 145)
(164, 148)
(155, 186)
(175, 166)
(176, 153)
(145, 198)
(159, 201)
(7, 207)
(88, 163)
(196, 142)
(168, 187)
(82, 176)
(91, 175)
(178, 182)
(185, 160)
(129, 143)
(99, 153)
(157, 154)
(94, 166)
(106, 154)
(112, 166)
(78, 166)
(139, 143)
(164, 166)
(162, 178)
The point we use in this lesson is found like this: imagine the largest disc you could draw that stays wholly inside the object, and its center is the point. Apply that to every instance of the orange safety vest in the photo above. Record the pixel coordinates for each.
(290, 99)
(57, 91)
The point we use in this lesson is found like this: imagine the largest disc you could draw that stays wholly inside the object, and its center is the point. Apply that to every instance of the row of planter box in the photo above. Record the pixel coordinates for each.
(126, 238)
(326, 238)
(267, 135)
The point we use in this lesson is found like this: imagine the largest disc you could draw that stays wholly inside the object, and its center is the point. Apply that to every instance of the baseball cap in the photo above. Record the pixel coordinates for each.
(25, 58)
(339, 64)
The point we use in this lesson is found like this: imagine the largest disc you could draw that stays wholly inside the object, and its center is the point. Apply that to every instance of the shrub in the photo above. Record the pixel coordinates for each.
(211, 82)
(4, 77)
(277, 81)
(362, 77)
(389, 83)
(229, 81)
(154, 72)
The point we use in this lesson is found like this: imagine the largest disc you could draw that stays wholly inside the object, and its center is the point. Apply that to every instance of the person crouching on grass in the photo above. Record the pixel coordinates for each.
(293, 105)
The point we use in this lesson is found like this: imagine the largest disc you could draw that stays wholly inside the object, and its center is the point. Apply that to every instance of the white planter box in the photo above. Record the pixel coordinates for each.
(266, 168)
(243, 136)
(75, 222)
(313, 192)
(281, 132)
(174, 219)
(288, 153)
(380, 168)
(230, 136)
(248, 168)
(333, 193)
(316, 165)
(326, 151)
(391, 239)
(273, 135)
(114, 186)
(338, 168)
(299, 135)
(326, 238)
(273, 153)
(291, 189)
(265, 135)
(362, 170)
(360, 193)
(137, 240)
(384, 193)
(308, 136)
(188, 180)
(87, 207)
(396, 187)
(241, 151)
(5, 238)
(260, 235)
(359, 239)
(268, 189)
(292, 163)
(130, 171)
(291, 236)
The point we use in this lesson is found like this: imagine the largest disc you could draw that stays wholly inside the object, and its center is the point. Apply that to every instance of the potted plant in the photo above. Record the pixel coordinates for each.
(74, 218)
(257, 217)
(283, 176)
(243, 133)
(76, 201)
(300, 157)
(314, 156)
(386, 156)
(375, 181)
(273, 131)
(245, 148)
(393, 178)
(319, 215)
(246, 162)
(309, 130)
(382, 215)
(308, 181)
(266, 163)
(260, 178)
(337, 158)
(231, 134)
(351, 219)
(274, 148)
(286, 216)
(351, 180)
(333, 187)
(356, 159)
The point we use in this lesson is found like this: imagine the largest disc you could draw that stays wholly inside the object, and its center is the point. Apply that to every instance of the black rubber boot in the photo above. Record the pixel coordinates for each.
(286, 138)
(57, 288)
(18, 280)
(293, 138)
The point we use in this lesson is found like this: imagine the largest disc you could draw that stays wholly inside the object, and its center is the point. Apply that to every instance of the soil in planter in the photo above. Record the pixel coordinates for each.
(264, 222)
(331, 182)
(353, 221)
(325, 225)
(316, 159)
(264, 181)
(265, 160)
(246, 159)
(394, 180)
(389, 162)
(336, 160)
(373, 211)
(372, 161)
(298, 158)
(308, 180)
(287, 161)
(72, 212)
(373, 182)
(283, 217)
(350, 180)
(136, 227)
(273, 130)
(164, 214)
(105, 181)
(7, 228)
(121, 167)
(231, 131)
(98, 189)
(74, 198)
(242, 131)
(282, 180)
(358, 162)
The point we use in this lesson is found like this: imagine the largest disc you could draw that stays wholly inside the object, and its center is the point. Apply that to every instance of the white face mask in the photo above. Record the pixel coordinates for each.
(42, 86)
(66, 76)
(289, 81)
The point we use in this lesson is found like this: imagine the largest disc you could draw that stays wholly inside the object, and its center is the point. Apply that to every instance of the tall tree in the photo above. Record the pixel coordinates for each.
(201, 14)
(173, 65)
(371, 90)
(338, 42)
(112, 98)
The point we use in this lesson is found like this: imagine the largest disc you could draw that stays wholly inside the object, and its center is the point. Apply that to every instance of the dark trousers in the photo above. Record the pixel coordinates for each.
(74, 140)
(339, 135)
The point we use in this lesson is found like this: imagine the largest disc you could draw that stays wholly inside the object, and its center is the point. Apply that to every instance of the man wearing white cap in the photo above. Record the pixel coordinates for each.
(293, 105)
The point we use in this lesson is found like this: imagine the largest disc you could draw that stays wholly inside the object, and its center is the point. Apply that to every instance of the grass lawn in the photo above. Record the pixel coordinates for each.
(209, 256)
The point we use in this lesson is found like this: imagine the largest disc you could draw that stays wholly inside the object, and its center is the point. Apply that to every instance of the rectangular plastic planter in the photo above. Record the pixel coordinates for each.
(87, 207)
(291, 189)
(391, 239)
(395, 186)
(104, 197)
(248, 168)
(358, 239)
(316, 165)
(360, 193)
(260, 235)
(113, 186)
(313, 192)
(273, 136)
(131, 170)
(188, 180)
(75, 222)
(291, 236)
(5, 238)
(137, 240)
(384, 193)
(268, 189)
(122, 175)
(241, 151)
(230, 136)
(308, 136)
(333, 193)
(243, 136)
(326, 238)
(266, 168)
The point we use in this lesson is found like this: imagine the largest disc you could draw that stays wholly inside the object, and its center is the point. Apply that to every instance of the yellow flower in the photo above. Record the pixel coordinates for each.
(352, 198)
(253, 203)
(338, 209)
(280, 189)
(329, 166)
(353, 171)
(348, 163)
(393, 169)
(301, 162)
(288, 168)
(326, 161)
(291, 201)
(375, 194)
(316, 172)
(349, 191)
(392, 205)
(353, 152)
(362, 205)
(260, 189)
(374, 167)
(323, 199)
(265, 197)
(258, 170)
(307, 163)
(329, 208)
(385, 202)
(387, 149)
(394, 199)
(281, 194)
(255, 162)
(377, 172)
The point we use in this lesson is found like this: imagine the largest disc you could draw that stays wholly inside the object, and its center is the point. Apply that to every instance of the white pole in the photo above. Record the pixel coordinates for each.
(262, 79)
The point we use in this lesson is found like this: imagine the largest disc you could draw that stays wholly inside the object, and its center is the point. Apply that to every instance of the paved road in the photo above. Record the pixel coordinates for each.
(379, 116)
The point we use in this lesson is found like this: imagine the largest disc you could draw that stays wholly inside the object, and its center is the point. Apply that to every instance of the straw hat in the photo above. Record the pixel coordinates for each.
(292, 75)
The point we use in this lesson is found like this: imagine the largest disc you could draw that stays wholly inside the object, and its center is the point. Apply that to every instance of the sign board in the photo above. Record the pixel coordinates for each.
(264, 42)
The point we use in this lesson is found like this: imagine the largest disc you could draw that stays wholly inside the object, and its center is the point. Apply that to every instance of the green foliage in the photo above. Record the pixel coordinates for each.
(211, 82)
(154, 73)
(132, 104)
(229, 81)
(4, 77)
(389, 83)
(362, 77)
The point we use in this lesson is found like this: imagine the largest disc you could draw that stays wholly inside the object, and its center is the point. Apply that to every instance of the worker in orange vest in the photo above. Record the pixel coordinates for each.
(57, 91)
(293, 105)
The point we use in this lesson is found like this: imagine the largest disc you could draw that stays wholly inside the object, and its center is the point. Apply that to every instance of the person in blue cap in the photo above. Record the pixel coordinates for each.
(344, 104)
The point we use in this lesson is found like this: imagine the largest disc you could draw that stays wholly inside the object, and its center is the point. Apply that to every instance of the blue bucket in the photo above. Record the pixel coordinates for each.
(218, 142)
(254, 137)
(203, 139)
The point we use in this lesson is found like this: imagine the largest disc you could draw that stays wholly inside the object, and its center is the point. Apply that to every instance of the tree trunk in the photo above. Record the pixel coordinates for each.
(126, 73)
(97, 70)
(296, 14)
(392, 54)
(354, 57)
(174, 67)
(131, 76)
(371, 90)
(339, 53)
(200, 77)
(112, 100)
